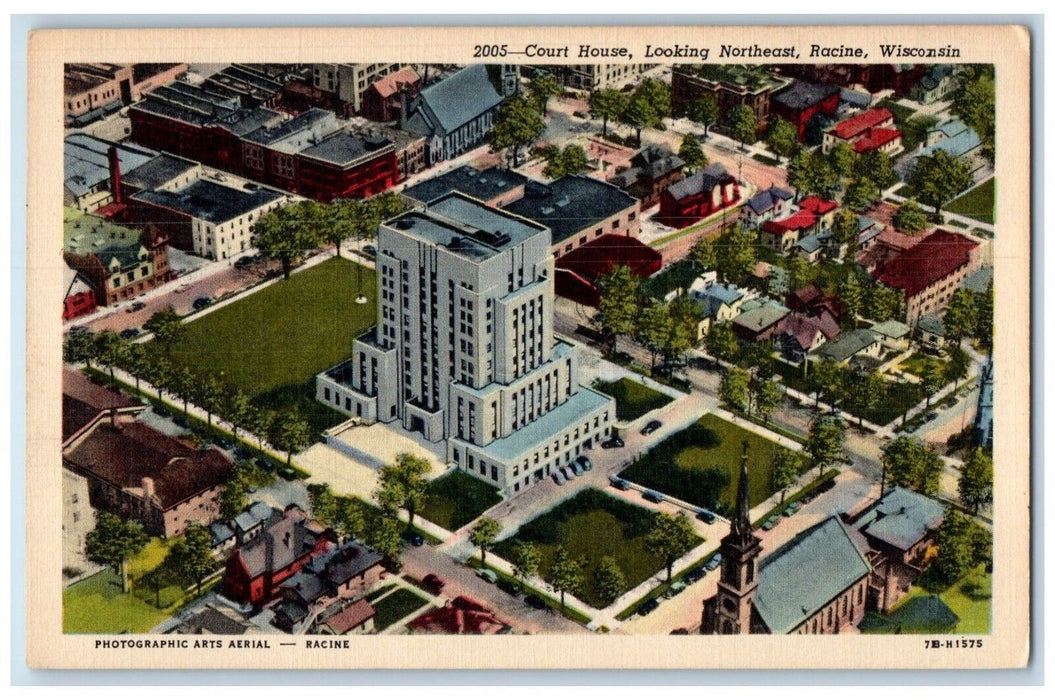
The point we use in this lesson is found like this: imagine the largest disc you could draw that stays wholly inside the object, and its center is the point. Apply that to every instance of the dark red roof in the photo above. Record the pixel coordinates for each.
(818, 206)
(83, 401)
(876, 138)
(798, 221)
(126, 453)
(932, 259)
(462, 615)
(600, 255)
(857, 125)
(351, 617)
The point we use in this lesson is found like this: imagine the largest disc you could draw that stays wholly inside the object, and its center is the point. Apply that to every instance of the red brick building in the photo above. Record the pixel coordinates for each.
(79, 298)
(801, 102)
(697, 197)
(872, 130)
(255, 570)
(731, 86)
(383, 99)
(577, 272)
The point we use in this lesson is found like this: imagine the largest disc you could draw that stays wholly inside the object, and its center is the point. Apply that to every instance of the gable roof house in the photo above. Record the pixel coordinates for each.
(652, 170)
(454, 114)
(382, 101)
(771, 203)
(718, 303)
(851, 345)
(357, 618)
(872, 130)
(85, 403)
(759, 319)
(799, 334)
(812, 216)
(698, 196)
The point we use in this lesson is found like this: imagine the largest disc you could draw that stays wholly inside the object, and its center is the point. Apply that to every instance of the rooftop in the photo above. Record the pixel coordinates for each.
(281, 544)
(158, 171)
(87, 161)
(484, 185)
(857, 125)
(350, 617)
(802, 95)
(83, 401)
(929, 261)
(901, 518)
(932, 324)
(737, 77)
(84, 234)
(768, 198)
(202, 107)
(760, 314)
(457, 99)
(570, 204)
(705, 180)
(393, 82)
(847, 345)
(211, 201)
(891, 329)
(807, 573)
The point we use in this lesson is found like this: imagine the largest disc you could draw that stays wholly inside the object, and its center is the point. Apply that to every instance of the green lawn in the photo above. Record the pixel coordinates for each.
(96, 605)
(632, 399)
(914, 364)
(395, 606)
(977, 204)
(456, 498)
(591, 525)
(151, 556)
(898, 397)
(969, 599)
(272, 343)
(701, 464)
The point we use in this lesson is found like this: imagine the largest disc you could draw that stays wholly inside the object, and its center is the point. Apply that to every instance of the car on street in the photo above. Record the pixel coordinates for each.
(695, 574)
(576, 468)
(433, 584)
(651, 427)
(567, 473)
(487, 575)
(584, 462)
(370, 250)
(510, 587)
(771, 522)
(201, 302)
(182, 288)
(618, 483)
(136, 306)
(932, 415)
(706, 516)
(536, 602)
(613, 442)
(714, 562)
(129, 333)
(416, 539)
(653, 496)
(675, 588)
(648, 606)
(559, 479)
(264, 464)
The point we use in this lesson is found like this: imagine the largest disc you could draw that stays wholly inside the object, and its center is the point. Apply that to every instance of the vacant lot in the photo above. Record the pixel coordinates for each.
(976, 204)
(271, 344)
(701, 464)
(456, 498)
(96, 605)
(589, 526)
(395, 606)
(632, 399)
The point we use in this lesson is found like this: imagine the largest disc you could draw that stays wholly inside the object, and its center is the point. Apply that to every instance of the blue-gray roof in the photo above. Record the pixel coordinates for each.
(211, 201)
(221, 532)
(813, 242)
(802, 95)
(761, 314)
(158, 171)
(891, 329)
(807, 573)
(256, 513)
(901, 518)
(458, 98)
(959, 139)
(479, 184)
(847, 345)
(855, 98)
(767, 199)
(571, 204)
(87, 161)
(712, 298)
(932, 324)
(979, 280)
(705, 180)
(538, 432)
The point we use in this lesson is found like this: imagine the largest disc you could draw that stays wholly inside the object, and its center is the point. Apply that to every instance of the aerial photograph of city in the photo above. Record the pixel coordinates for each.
(561, 349)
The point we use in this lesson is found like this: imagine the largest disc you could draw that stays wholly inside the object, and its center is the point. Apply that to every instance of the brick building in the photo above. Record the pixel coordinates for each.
(383, 99)
(802, 102)
(79, 297)
(91, 90)
(698, 196)
(872, 130)
(652, 170)
(732, 86)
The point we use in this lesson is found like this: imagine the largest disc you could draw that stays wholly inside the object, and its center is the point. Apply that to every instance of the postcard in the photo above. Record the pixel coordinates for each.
(515, 347)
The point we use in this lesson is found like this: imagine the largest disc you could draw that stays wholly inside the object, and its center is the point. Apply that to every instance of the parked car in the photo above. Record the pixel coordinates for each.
(129, 333)
(201, 302)
(181, 421)
(648, 606)
(510, 587)
(695, 574)
(706, 516)
(182, 288)
(714, 562)
(568, 473)
(651, 427)
(535, 602)
(559, 479)
(136, 306)
(932, 415)
(576, 468)
(487, 575)
(416, 539)
(613, 442)
(370, 250)
(771, 522)
(618, 483)
(264, 464)
(675, 588)
(433, 584)
(584, 462)
(653, 496)
(242, 452)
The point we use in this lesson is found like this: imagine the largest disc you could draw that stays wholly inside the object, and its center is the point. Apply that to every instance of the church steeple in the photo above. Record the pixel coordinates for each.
(741, 525)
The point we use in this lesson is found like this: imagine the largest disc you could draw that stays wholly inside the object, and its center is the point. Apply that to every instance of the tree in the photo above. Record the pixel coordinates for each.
(955, 547)
(385, 536)
(882, 302)
(571, 161)
(159, 373)
(331, 222)
(566, 574)
(798, 272)
(852, 297)
(704, 254)
(208, 394)
(181, 385)
(860, 194)
(866, 391)
(670, 537)
(167, 327)
(289, 432)
(824, 443)
(607, 104)
(525, 560)
(192, 555)
(404, 483)
(79, 347)
(938, 178)
(323, 503)
(113, 542)
(657, 94)
(976, 480)
(733, 389)
(736, 255)
(743, 124)
(110, 350)
(845, 227)
(136, 361)
(958, 366)
(768, 398)
(349, 521)
(787, 464)
(652, 328)
(286, 234)
(841, 159)
(874, 166)
(704, 110)
(259, 423)
(827, 380)
(639, 113)
(692, 154)
(782, 137)
(975, 103)
(721, 343)
(910, 218)
(233, 499)
(800, 172)
(237, 409)
(619, 306)
(484, 534)
(931, 377)
(541, 88)
(961, 316)
(907, 462)
(158, 578)
(608, 580)
(517, 126)
(681, 333)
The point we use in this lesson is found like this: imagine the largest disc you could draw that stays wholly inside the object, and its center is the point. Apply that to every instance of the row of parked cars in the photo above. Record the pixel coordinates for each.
(680, 585)
(563, 475)
(511, 588)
